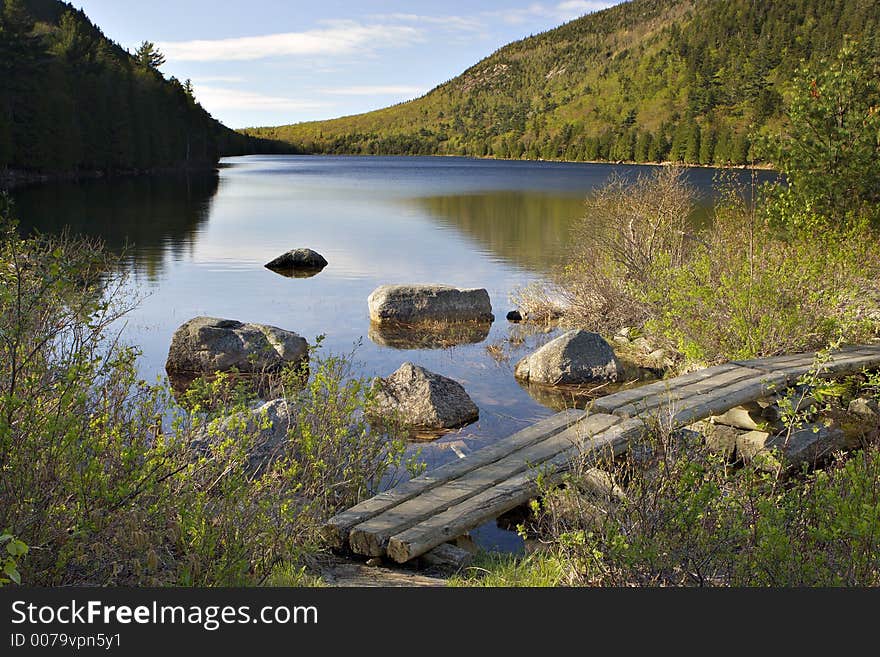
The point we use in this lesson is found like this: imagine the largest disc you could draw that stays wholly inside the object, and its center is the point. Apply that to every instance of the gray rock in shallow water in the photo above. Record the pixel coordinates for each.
(208, 345)
(419, 303)
(571, 359)
(305, 259)
(424, 400)
(267, 424)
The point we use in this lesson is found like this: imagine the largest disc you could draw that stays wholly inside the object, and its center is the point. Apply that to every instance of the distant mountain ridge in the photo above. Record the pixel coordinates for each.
(646, 81)
(72, 102)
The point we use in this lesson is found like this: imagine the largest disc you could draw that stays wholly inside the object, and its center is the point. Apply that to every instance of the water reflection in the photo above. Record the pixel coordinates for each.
(526, 228)
(438, 335)
(148, 218)
(295, 273)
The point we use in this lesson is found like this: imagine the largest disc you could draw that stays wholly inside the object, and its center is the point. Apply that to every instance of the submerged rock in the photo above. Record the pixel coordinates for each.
(298, 262)
(409, 304)
(573, 358)
(424, 400)
(514, 316)
(205, 345)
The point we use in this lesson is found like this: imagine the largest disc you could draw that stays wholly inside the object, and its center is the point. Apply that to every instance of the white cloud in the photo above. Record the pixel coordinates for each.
(563, 11)
(338, 38)
(228, 79)
(220, 98)
(467, 23)
(376, 90)
(582, 6)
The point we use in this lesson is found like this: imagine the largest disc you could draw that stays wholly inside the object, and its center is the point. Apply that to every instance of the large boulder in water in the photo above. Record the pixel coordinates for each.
(423, 400)
(573, 358)
(205, 345)
(410, 304)
(298, 261)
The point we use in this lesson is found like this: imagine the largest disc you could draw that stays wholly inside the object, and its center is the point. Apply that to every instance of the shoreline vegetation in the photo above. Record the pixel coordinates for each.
(110, 480)
(11, 178)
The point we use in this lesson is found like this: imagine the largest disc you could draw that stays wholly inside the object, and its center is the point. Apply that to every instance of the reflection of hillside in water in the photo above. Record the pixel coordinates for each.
(149, 217)
(527, 229)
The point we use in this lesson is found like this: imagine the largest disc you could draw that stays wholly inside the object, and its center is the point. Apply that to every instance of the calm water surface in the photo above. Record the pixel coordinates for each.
(197, 246)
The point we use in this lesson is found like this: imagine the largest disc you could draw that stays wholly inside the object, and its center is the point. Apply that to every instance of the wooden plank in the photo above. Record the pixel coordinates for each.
(447, 556)
(806, 360)
(776, 362)
(804, 356)
(494, 501)
(370, 537)
(700, 407)
(680, 393)
(839, 364)
(336, 529)
(449, 500)
(609, 403)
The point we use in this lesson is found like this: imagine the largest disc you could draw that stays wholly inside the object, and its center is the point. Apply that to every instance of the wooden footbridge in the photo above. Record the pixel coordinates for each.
(413, 518)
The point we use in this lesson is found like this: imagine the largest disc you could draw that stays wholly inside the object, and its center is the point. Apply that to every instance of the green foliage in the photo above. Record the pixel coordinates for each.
(72, 100)
(14, 551)
(650, 80)
(614, 249)
(830, 152)
(148, 56)
(110, 482)
(763, 277)
(747, 290)
(688, 518)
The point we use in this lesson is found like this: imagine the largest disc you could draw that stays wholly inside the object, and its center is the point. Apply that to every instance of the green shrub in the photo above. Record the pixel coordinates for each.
(830, 149)
(762, 277)
(614, 251)
(750, 289)
(109, 482)
(688, 518)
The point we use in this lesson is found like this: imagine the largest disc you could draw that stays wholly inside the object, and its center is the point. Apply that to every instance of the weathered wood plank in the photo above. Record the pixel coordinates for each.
(776, 362)
(447, 557)
(336, 529)
(851, 362)
(680, 393)
(491, 503)
(429, 510)
(370, 537)
(609, 403)
(805, 361)
(700, 407)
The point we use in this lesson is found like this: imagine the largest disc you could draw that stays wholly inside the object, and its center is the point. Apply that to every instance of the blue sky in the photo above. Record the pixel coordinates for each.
(271, 62)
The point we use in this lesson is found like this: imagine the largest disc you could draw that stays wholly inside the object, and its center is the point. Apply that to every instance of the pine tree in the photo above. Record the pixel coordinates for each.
(148, 56)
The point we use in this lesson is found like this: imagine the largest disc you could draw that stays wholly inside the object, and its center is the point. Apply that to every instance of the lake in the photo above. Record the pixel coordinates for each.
(197, 246)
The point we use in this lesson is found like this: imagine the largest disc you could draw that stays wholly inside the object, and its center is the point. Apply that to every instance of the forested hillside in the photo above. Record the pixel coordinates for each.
(648, 80)
(72, 101)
